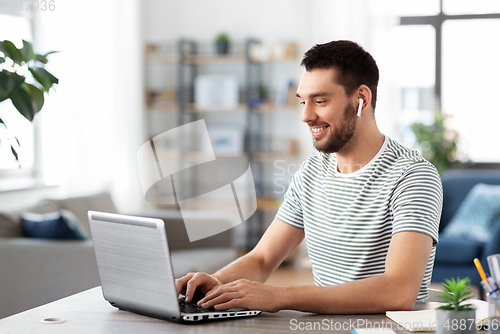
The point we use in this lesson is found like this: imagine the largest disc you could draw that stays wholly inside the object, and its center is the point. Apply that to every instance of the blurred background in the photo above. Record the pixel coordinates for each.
(113, 92)
(130, 70)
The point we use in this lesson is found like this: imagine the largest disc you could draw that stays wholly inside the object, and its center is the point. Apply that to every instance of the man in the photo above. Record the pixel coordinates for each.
(368, 207)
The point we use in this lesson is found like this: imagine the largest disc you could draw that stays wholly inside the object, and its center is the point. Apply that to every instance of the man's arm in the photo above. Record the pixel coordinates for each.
(279, 240)
(274, 246)
(396, 289)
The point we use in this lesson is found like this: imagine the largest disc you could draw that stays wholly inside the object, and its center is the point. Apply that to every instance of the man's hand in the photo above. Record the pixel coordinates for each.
(188, 284)
(244, 293)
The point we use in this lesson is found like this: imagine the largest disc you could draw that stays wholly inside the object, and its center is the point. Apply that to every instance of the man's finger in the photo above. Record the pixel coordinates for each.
(180, 283)
(196, 280)
(216, 293)
(229, 304)
(223, 298)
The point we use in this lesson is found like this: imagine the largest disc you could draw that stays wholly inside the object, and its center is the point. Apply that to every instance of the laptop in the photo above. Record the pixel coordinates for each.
(135, 269)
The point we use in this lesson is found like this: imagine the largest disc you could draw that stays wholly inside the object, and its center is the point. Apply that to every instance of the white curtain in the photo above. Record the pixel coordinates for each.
(91, 127)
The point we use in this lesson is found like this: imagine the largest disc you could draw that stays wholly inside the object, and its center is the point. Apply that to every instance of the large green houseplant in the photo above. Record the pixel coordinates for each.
(437, 142)
(24, 80)
(455, 316)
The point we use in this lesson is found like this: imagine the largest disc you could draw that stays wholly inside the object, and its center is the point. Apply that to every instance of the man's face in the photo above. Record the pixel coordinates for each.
(328, 111)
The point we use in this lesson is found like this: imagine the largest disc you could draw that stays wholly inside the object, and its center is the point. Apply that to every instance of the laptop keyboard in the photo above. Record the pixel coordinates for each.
(193, 308)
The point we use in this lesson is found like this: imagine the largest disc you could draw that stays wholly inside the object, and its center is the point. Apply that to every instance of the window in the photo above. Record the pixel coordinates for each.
(466, 69)
(457, 7)
(15, 29)
(470, 80)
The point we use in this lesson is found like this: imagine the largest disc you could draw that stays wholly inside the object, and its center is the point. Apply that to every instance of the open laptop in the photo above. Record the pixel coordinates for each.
(135, 269)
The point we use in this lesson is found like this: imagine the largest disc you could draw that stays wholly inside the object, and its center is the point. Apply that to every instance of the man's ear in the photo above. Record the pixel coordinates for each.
(365, 93)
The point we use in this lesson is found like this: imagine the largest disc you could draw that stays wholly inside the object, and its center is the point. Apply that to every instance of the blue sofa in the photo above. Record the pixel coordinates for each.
(454, 256)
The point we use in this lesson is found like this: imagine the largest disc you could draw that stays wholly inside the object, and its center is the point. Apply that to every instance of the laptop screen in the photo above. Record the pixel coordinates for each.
(134, 263)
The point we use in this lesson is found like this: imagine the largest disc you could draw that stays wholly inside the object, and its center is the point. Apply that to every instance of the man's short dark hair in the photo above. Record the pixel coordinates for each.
(354, 65)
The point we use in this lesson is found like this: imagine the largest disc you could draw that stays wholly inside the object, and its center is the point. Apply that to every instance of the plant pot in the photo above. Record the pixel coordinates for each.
(222, 48)
(462, 322)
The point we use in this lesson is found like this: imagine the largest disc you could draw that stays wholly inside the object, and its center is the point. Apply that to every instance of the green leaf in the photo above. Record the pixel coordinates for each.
(9, 81)
(48, 75)
(49, 53)
(17, 141)
(26, 52)
(2, 122)
(45, 82)
(15, 154)
(36, 95)
(42, 59)
(11, 51)
(23, 102)
(4, 95)
(2, 48)
(455, 292)
(2, 60)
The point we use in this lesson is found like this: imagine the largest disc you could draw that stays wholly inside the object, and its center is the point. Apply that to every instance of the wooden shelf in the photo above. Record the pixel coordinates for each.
(272, 108)
(268, 203)
(161, 58)
(195, 156)
(214, 59)
(173, 106)
(200, 156)
(263, 204)
(191, 107)
(168, 106)
(167, 58)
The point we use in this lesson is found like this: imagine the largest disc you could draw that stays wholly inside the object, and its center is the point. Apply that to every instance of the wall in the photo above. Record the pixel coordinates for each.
(91, 125)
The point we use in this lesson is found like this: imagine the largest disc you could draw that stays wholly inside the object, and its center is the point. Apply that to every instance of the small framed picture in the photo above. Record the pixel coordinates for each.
(225, 139)
(216, 91)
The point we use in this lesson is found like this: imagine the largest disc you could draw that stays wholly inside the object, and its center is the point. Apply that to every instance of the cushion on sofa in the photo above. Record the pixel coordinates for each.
(47, 226)
(476, 213)
(61, 225)
(454, 250)
(81, 205)
(10, 222)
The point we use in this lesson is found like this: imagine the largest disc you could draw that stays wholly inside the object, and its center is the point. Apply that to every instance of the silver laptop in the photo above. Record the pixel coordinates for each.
(135, 269)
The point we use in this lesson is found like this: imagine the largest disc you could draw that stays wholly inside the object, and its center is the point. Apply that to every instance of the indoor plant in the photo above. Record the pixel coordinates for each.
(222, 43)
(455, 316)
(24, 80)
(438, 144)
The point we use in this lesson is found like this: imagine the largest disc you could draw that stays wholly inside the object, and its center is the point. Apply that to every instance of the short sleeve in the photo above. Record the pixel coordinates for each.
(417, 201)
(290, 210)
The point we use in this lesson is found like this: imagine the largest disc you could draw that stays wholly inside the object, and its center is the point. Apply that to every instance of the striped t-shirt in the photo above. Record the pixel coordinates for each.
(349, 219)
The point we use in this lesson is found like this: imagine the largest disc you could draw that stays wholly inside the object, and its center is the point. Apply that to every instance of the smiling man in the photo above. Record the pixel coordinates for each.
(368, 207)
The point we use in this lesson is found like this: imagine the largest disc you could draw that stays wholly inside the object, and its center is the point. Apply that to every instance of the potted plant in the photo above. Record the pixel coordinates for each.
(222, 44)
(437, 142)
(24, 80)
(455, 316)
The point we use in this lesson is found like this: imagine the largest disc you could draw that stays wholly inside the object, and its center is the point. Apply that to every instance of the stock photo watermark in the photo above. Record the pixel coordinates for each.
(352, 325)
(283, 175)
(180, 167)
(28, 5)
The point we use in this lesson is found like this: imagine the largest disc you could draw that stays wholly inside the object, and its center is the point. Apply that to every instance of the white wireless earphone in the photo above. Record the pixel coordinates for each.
(360, 106)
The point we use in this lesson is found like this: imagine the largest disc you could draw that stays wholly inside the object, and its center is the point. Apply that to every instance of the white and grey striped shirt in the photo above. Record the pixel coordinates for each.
(349, 219)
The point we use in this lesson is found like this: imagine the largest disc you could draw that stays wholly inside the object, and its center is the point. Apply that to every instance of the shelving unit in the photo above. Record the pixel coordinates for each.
(175, 100)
